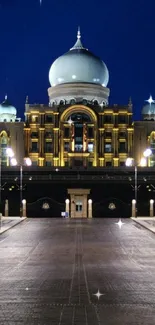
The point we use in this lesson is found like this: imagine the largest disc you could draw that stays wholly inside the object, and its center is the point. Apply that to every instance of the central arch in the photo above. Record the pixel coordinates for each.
(85, 111)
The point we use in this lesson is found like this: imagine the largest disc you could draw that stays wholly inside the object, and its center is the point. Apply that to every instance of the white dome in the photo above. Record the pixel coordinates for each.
(78, 65)
(7, 112)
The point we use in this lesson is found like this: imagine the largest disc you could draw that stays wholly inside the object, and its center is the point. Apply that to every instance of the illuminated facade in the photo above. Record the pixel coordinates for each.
(78, 127)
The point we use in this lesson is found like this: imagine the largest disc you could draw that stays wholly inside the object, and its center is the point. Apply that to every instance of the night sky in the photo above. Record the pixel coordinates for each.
(120, 32)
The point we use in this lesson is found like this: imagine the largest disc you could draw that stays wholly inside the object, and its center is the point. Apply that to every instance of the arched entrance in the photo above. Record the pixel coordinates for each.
(78, 134)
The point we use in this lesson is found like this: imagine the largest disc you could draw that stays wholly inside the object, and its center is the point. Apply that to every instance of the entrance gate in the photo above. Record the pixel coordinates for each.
(111, 208)
(45, 207)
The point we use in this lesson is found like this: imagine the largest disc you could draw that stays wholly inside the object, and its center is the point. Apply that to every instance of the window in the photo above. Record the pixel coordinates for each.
(107, 119)
(107, 147)
(122, 134)
(122, 147)
(34, 146)
(4, 143)
(34, 134)
(79, 206)
(108, 164)
(90, 147)
(34, 119)
(66, 132)
(66, 146)
(48, 134)
(90, 133)
(48, 147)
(78, 147)
(108, 134)
(122, 119)
(48, 163)
(49, 119)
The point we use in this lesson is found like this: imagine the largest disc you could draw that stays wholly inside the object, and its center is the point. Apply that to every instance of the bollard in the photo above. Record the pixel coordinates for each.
(151, 208)
(90, 208)
(133, 208)
(6, 208)
(23, 214)
(67, 207)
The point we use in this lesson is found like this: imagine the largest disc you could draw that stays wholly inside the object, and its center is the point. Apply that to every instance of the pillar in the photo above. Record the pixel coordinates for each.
(6, 208)
(151, 208)
(24, 208)
(67, 207)
(133, 208)
(89, 208)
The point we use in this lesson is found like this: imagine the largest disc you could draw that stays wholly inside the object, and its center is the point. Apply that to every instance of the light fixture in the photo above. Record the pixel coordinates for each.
(129, 162)
(13, 162)
(143, 162)
(10, 152)
(28, 161)
(147, 152)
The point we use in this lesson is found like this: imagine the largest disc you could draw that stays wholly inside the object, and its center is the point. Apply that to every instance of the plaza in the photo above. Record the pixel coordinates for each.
(51, 271)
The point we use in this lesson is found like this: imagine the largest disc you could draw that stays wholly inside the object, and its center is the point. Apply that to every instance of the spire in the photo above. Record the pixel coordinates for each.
(6, 97)
(78, 33)
(78, 45)
(27, 100)
(130, 102)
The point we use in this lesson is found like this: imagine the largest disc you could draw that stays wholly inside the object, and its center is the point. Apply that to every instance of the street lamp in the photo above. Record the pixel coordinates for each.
(143, 162)
(27, 162)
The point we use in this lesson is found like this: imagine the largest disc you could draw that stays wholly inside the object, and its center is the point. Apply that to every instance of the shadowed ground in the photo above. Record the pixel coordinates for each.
(50, 270)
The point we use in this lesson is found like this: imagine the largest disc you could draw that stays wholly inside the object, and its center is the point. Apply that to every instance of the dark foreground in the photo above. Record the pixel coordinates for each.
(50, 270)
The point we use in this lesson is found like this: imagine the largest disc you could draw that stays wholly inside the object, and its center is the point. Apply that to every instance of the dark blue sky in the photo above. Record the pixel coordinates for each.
(120, 32)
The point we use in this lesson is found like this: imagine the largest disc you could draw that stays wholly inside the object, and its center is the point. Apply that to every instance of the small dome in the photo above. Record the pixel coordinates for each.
(78, 65)
(7, 108)
(149, 109)
(7, 111)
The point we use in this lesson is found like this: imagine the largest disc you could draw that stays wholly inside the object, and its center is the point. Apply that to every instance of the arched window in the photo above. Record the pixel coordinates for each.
(3, 147)
(152, 147)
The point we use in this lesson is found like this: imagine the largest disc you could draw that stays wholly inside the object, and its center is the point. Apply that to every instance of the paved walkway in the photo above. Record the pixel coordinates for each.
(8, 222)
(51, 271)
(147, 222)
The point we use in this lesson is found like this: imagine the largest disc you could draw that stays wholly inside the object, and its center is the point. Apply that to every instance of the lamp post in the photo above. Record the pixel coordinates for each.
(27, 162)
(129, 163)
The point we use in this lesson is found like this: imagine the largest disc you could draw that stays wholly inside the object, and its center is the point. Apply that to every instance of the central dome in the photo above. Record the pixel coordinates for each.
(78, 65)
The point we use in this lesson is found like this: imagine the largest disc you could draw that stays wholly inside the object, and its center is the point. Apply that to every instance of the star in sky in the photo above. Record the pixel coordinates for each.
(150, 100)
(120, 223)
(98, 294)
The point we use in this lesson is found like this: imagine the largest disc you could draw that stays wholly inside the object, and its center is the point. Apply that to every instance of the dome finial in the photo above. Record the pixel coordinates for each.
(78, 33)
(78, 45)
(6, 97)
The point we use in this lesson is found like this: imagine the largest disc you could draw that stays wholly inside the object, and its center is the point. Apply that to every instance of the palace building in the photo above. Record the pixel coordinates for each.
(78, 128)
